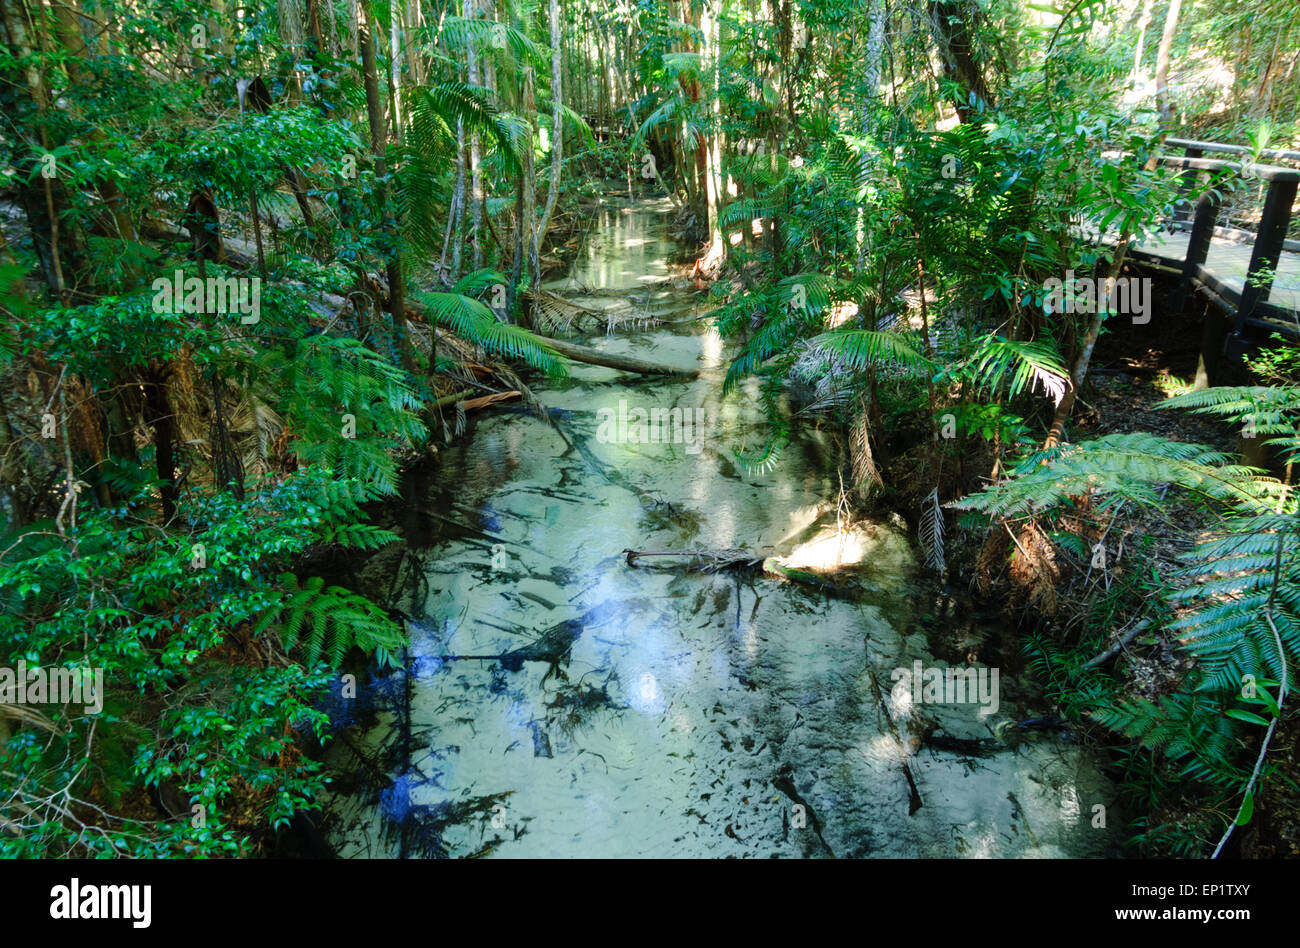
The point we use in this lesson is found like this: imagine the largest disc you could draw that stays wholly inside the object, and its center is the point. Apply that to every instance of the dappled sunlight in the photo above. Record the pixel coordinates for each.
(831, 549)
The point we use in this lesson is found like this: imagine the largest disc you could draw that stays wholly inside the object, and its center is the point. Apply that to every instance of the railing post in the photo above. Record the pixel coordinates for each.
(1264, 256)
(1198, 244)
(1182, 210)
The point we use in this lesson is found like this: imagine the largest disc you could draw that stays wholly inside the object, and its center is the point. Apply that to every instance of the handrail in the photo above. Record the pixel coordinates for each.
(1270, 239)
(1267, 172)
(1201, 146)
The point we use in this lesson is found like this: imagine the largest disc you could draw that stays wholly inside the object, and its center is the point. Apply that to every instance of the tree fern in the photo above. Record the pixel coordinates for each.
(1265, 410)
(1245, 575)
(1238, 612)
(1189, 728)
(346, 406)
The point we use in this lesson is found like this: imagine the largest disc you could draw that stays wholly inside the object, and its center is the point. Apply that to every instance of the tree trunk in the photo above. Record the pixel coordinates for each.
(378, 146)
(953, 24)
(1077, 377)
(1144, 21)
(557, 127)
(712, 142)
(1162, 63)
(528, 211)
(876, 17)
(625, 363)
(475, 172)
(67, 17)
(160, 419)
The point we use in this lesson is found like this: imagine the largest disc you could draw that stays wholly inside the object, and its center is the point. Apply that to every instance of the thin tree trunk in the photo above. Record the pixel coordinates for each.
(67, 17)
(458, 215)
(475, 172)
(528, 211)
(1144, 21)
(1162, 63)
(1056, 435)
(712, 144)
(378, 146)
(160, 419)
(557, 127)
(871, 79)
(257, 231)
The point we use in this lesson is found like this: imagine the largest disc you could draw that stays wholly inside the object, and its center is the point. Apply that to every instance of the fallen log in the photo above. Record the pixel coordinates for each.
(469, 404)
(448, 400)
(707, 561)
(840, 584)
(588, 355)
(623, 363)
(977, 747)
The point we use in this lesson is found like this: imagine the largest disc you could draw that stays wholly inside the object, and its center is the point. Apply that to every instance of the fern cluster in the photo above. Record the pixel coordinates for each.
(1234, 605)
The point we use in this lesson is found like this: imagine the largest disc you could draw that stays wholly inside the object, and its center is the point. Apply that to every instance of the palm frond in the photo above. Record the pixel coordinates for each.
(473, 321)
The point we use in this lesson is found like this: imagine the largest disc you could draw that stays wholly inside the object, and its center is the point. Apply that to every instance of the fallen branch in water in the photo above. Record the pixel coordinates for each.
(708, 561)
(624, 363)
(711, 561)
(448, 400)
(471, 403)
(976, 747)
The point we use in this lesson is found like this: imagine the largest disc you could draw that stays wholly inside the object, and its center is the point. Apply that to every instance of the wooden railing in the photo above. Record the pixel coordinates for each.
(1269, 240)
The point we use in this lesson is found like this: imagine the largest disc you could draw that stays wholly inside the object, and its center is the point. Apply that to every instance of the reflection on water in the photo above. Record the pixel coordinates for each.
(557, 702)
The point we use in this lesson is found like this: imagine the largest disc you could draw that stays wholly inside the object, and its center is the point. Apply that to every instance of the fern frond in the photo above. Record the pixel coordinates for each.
(862, 348)
(930, 533)
(473, 321)
(337, 620)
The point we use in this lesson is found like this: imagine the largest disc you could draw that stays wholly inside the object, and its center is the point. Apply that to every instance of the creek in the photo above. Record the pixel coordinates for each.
(557, 702)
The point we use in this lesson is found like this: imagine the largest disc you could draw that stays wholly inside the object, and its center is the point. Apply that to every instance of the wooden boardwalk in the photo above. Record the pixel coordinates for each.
(1226, 266)
(1254, 286)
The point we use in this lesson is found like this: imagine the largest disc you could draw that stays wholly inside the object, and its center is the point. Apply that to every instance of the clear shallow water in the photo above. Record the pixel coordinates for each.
(694, 714)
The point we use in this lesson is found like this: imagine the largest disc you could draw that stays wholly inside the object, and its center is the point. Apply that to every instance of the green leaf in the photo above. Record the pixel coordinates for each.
(1248, 716)
(1247, 810)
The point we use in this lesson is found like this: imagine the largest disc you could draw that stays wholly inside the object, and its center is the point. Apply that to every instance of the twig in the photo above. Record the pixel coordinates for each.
(1268, 735)
(1119, 646)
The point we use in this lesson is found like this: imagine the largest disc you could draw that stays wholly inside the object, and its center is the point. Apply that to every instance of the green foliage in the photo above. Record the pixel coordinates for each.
(1263, 411)
(1235, 602)
(1011, 367)
(864, 348)
(335, 621)
(349, 408)
(475, 322)
(196, 705)
(1118, 467)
